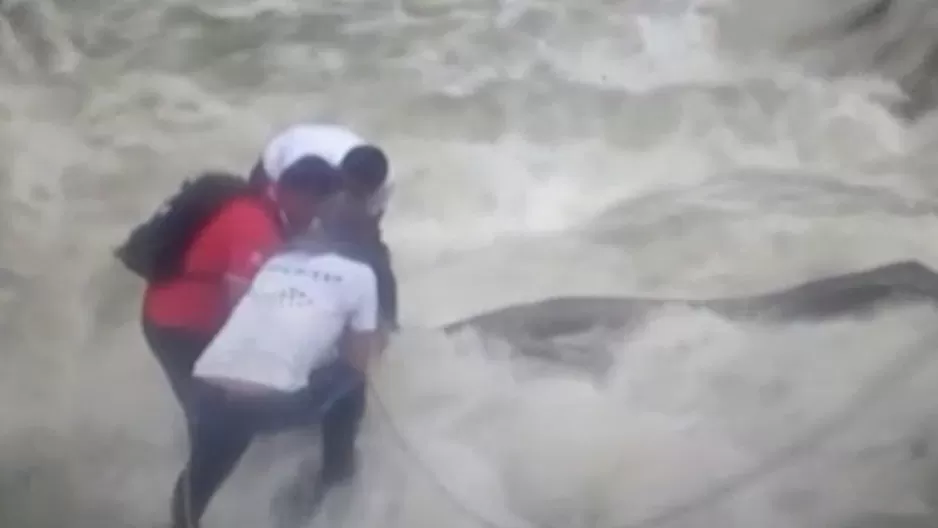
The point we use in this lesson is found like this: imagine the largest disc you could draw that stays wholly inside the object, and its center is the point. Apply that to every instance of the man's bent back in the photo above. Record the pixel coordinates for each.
(291, 320)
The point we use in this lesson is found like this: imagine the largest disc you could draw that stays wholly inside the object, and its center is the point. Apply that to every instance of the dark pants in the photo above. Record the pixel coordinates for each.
(177, 350)
(225, 424)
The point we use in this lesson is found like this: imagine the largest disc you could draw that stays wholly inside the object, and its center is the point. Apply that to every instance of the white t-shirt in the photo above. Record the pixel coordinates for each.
(291, 319)
(330, 142)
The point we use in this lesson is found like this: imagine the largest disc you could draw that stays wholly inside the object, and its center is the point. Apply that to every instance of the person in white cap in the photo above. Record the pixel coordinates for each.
(366, 191)
(365, 165)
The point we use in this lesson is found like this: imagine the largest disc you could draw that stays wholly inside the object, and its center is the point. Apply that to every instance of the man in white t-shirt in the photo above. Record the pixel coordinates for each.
(296, 345)
(354, 216)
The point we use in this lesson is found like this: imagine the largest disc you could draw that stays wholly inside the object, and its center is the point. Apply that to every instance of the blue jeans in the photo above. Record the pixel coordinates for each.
(223, 426)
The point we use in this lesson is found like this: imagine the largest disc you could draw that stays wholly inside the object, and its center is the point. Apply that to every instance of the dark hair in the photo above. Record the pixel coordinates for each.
(366, 165)
(311, 174)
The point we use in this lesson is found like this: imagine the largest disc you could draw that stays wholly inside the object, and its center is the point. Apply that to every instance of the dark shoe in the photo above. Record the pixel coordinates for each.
(338, 470)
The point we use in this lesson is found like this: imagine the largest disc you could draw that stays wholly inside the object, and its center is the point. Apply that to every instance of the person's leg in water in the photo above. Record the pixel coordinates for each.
(335, 400)
(225, 426)
(219, 437)
(340, 428)
(176, 351)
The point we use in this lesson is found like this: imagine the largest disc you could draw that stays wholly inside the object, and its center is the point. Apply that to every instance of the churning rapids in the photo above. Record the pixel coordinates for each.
(575, 181)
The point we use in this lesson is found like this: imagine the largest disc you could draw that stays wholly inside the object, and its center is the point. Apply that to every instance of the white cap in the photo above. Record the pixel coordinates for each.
(329, 142)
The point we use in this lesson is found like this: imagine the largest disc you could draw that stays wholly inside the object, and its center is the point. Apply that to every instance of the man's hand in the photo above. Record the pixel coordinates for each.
(360, 347)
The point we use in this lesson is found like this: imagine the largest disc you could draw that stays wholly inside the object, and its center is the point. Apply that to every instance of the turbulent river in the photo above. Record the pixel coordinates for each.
(595, 148)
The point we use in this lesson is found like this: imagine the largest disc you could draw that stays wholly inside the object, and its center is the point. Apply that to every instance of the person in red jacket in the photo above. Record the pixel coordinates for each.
(182, 314)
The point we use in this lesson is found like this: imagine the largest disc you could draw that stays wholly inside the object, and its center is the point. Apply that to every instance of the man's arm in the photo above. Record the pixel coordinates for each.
(377, 203)
(362, 333)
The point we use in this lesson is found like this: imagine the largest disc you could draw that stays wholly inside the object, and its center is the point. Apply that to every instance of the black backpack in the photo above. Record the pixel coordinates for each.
(154, 250)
